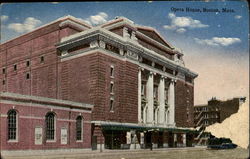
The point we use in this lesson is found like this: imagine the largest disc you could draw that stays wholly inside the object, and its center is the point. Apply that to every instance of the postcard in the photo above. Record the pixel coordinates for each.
(132, 79)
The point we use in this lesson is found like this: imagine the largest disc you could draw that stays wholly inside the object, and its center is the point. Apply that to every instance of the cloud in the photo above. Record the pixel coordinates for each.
(181, 30)
(238, 17)
(181, 24)
(29, 24)
(217, 41)
(100, 18)
(4, 18)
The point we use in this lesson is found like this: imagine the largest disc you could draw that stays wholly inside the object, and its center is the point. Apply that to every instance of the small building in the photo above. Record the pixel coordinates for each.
(216, 111)
(69, 85)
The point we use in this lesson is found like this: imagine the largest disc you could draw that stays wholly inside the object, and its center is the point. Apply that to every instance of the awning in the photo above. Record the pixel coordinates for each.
(123, 127)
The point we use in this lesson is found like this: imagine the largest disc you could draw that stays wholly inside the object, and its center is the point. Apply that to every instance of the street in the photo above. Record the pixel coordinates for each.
(174, 153)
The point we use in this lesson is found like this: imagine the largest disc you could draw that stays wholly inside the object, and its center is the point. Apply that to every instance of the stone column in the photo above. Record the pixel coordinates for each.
(175, 140)
(161, 99)
(171, 101)
(184, 140)
(150, 98)
(139, 96)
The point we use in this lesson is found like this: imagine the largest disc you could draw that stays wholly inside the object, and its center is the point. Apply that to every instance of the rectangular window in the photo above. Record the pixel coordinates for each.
(111, 87)
(15, 67)
(79, 128)
(41, 59)
(27, 76)
(12, 125)
(3, 82)
(111, 104)
(4, 71)
(27, 63)
(112, 71)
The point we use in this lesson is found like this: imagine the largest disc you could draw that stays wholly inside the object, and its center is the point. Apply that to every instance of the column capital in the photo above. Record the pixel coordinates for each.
(152, 73)
(140, 68)
(163, 77)
(173, 80)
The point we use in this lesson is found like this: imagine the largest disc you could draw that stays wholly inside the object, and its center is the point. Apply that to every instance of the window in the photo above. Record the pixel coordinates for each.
(27, 63)
(41, 59)
(3, 70)
(12, 125)
(111, 87)
(50, 126)
(112, 71)
(27, 76)
(111, 104)
(15, 67)
(3, 82)
(79, 128)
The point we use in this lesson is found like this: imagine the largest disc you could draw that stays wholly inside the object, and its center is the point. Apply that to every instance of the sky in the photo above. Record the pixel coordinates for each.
(213, 35)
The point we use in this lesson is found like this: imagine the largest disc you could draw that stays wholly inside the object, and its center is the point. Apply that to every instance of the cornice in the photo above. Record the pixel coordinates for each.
(122, 43)
(43, 100)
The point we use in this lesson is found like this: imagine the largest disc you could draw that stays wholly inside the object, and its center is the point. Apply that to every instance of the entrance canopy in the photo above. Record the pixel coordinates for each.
(137, 127)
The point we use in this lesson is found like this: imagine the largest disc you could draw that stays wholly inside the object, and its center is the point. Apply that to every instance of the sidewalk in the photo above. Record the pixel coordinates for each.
(53, 154)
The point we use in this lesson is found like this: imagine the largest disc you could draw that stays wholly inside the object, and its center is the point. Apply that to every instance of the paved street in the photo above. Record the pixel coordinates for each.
(180, 153)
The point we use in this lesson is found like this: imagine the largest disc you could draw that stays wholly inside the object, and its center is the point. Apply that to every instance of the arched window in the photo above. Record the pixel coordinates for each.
(79, 128)
(12, 125)
(50, 126)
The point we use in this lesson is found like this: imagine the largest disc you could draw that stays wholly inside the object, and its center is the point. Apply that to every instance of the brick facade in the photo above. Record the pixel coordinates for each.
(42, 64)
(184, 101)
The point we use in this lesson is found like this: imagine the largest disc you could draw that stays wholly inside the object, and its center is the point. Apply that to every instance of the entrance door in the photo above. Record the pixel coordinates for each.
(171, 139)
(160, 140)
(148, 139)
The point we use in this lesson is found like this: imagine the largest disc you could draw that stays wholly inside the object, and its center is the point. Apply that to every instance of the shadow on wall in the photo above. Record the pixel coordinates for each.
(235, 127)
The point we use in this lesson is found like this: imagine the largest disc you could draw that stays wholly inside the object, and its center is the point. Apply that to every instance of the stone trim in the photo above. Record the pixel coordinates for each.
(72, 24)
(14, 153)
(98, 33)
(6, 96)
(119, 57)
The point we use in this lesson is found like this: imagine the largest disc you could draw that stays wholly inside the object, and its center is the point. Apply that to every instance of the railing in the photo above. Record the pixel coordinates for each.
(198, 116)
(198, 123)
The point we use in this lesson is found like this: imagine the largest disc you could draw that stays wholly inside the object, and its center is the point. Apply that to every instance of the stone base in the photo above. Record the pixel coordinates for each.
(165, 145)
(100, 147)
(155, 145)
(135, 146)
(42, 152)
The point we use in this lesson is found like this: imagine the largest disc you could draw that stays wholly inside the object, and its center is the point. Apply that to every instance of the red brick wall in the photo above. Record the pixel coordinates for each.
(87, 79)
(90, 82)
(31, 116)
(183, 93)
(118, 31)
(31, 46)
